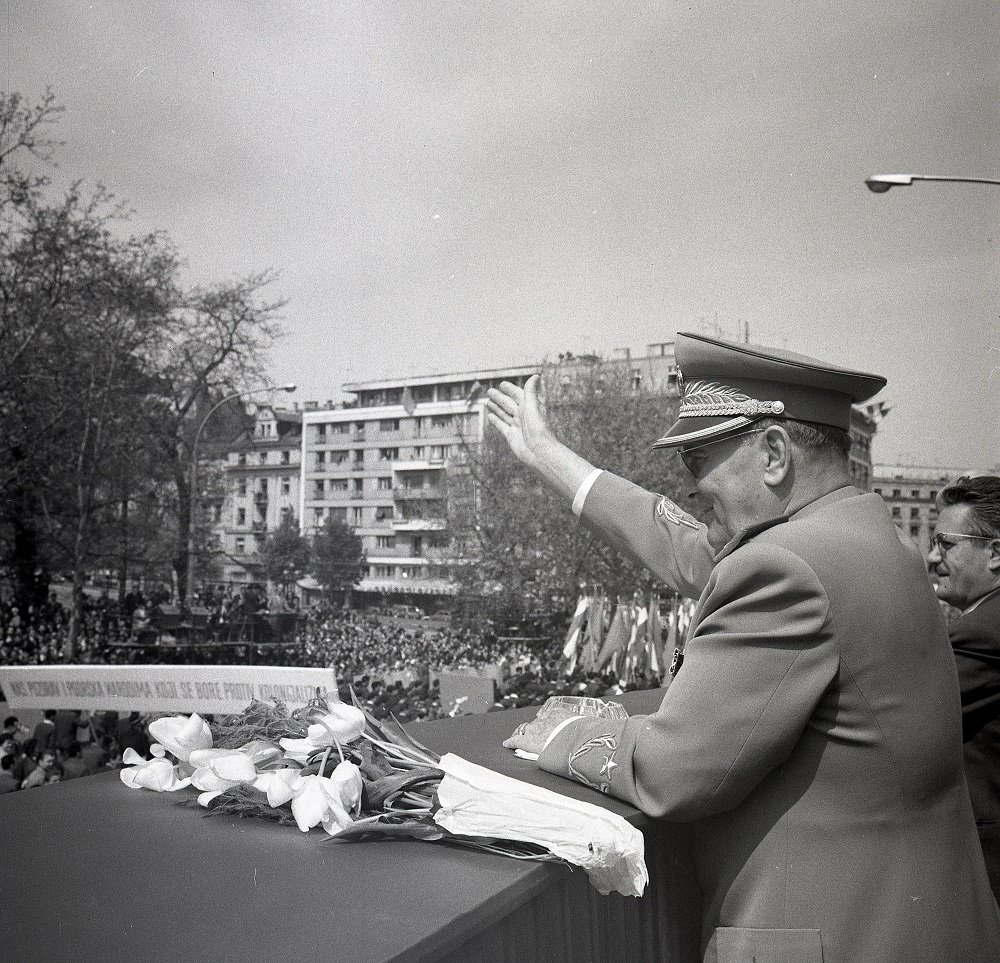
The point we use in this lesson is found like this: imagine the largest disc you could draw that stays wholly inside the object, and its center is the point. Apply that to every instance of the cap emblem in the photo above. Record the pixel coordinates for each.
(709, 399)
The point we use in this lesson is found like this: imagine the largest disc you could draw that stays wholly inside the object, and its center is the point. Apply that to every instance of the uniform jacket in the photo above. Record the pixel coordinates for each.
(975, 640)
(812, 738)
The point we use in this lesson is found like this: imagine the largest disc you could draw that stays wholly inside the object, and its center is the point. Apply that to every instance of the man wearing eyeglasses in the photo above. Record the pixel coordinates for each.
(965, 563)
(811, 742)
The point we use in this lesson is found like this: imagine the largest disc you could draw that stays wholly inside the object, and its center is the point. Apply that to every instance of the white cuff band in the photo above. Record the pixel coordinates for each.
(581, 493)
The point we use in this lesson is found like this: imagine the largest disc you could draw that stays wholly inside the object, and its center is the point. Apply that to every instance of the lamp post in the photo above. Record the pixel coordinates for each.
(189, 592)
(880, 183)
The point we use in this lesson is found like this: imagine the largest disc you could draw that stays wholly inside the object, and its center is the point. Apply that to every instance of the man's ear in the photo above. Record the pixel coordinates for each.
(777, 449)
(994, 560)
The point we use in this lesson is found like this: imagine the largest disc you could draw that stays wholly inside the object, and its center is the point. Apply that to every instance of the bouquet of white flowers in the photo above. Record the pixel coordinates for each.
(334, 766)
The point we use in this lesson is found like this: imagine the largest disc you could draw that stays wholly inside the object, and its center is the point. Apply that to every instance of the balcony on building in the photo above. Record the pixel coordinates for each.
(422, 464)
(418, 524)
(424, 492)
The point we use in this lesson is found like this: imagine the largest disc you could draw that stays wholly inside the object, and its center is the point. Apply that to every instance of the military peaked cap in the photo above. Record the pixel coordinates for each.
(726, 386)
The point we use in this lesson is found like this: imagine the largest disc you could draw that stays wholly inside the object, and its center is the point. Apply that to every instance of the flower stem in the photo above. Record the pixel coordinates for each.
(322, 762)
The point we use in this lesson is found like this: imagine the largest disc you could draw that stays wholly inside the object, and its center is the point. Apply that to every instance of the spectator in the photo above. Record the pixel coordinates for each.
(73, 766)
(66, 721)
(45, 732)
(8, 781)
(40, 774)
(95, 754)
(965, 561)
(12, 727)
(132, 734)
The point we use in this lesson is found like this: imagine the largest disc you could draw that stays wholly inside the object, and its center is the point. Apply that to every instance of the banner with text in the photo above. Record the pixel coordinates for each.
(162, 688)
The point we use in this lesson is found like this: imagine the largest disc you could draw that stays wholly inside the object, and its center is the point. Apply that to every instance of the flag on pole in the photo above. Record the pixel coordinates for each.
(614, 641)
(594, 633)
(409, 403)
(571, 648)
(654, 637)
(635, 659)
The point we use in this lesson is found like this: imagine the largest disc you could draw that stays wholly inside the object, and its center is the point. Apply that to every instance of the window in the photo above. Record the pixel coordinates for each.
(896, 493)
(241, 487)
(263, 457)
(338, 485)
(242, 459)
(356, 516)
(386, 541)
(389, 424)
(382, 571)
(914, 512)
(359, 456)
(320, 432)
(388, 454)
(932, 495)
(286, 486)
(241, 517)
(319, 516)
(418, 452)
(878, 491)
(263, 487)
(385, 484)
(340, 429)
(286, 457)
(896, 511)
(914, 531)
(319, 489)
(382, 513)
(441, 421)
(241, 545)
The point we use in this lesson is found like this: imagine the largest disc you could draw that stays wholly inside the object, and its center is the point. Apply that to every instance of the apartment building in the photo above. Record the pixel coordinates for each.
(262, 475)
(910, 492)
(381, 464)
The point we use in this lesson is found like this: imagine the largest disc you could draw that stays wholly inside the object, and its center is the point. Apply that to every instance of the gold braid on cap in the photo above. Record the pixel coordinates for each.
(708, 399)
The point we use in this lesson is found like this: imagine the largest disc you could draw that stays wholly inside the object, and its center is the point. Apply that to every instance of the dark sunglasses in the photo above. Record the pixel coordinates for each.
(692, 457)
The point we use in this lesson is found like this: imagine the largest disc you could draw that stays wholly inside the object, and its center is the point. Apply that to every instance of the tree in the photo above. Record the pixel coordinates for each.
(286, 555)
(80, 317)
(215, 344)
(523, 550)
(337, 558)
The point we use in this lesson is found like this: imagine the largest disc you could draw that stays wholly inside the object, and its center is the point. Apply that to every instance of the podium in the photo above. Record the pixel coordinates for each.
(101, 873)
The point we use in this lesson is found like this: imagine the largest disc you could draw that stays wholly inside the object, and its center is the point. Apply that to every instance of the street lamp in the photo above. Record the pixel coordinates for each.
(189, 593)
(880, 183)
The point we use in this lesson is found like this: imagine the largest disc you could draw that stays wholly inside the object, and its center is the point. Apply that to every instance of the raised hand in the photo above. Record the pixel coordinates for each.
(517, 414)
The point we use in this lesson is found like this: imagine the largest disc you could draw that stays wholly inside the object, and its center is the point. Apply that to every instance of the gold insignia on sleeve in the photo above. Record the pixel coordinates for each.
(607, 742)
(665, 508)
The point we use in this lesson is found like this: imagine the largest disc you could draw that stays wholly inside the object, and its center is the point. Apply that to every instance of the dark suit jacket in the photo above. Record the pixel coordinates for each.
(812, 739)
(975, 640)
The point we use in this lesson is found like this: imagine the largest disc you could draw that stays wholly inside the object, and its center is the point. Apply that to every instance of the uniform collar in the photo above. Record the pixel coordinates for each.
(751, 531)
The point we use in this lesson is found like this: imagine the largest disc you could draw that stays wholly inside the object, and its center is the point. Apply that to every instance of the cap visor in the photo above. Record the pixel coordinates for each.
(686, 431)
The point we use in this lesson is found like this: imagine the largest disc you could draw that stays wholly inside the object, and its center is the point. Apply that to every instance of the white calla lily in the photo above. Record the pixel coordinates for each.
(342, 723)
(158, 773)
(216, 770)
(279, 785)
(180, 735)
(347, 781)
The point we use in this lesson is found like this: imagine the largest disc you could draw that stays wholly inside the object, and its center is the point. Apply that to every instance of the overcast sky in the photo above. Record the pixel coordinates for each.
(446, 185)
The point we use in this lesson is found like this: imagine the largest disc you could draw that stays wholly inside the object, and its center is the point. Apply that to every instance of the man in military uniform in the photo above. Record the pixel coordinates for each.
(812, 738)
(965, 561)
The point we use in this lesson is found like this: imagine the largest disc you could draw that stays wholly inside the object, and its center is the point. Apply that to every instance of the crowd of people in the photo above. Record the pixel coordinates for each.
(390, 665)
